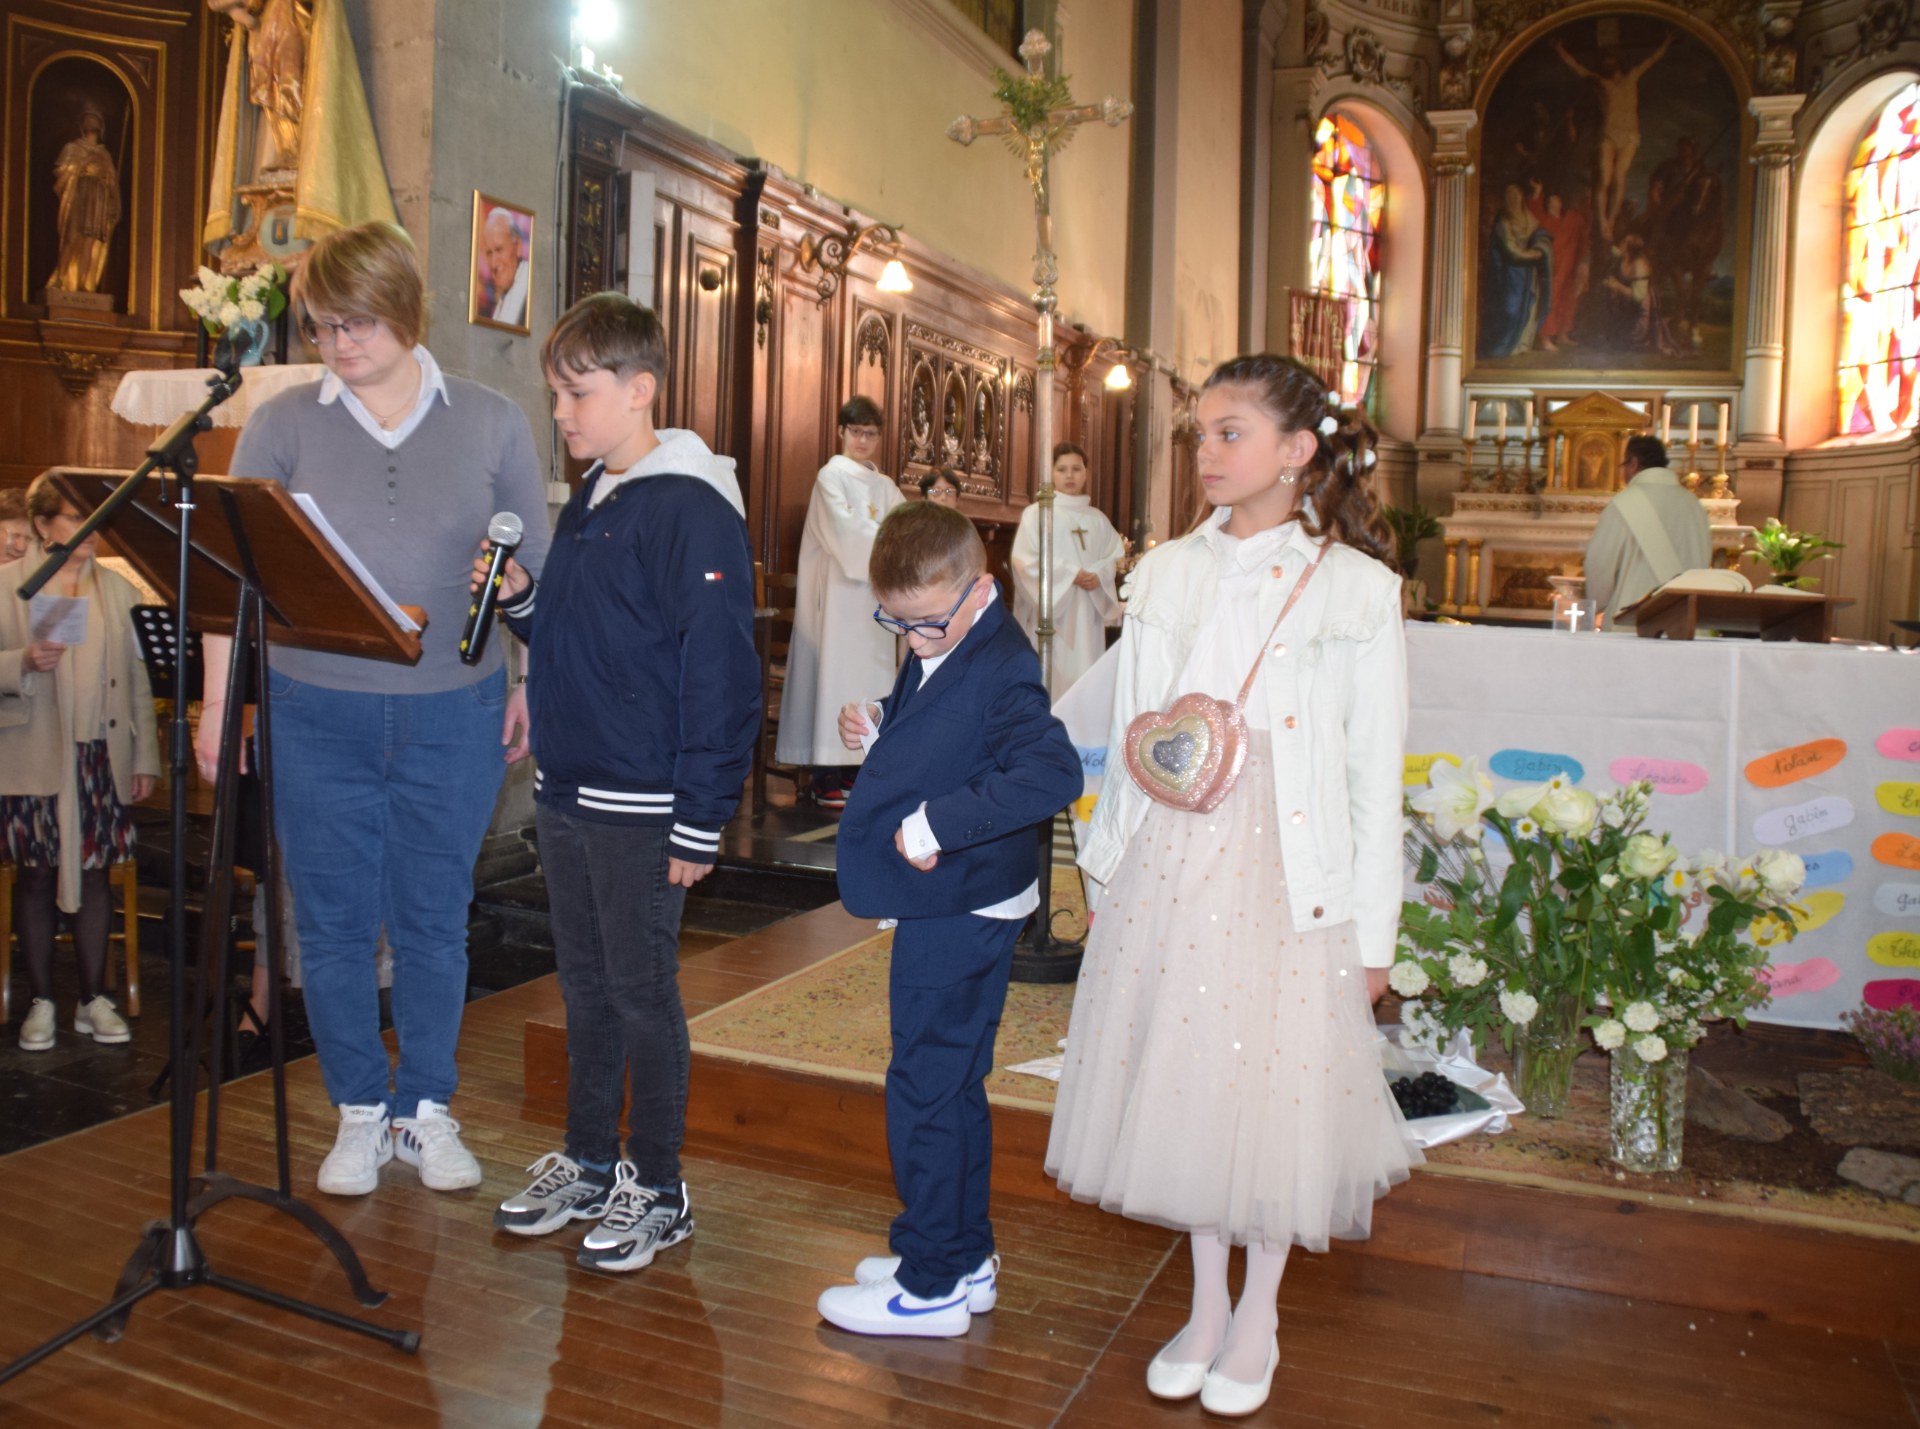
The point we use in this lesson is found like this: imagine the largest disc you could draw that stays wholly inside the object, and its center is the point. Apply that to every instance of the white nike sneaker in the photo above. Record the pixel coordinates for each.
(983, 1286)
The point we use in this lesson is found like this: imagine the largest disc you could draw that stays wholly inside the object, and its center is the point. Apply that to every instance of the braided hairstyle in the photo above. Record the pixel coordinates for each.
(1337, 498)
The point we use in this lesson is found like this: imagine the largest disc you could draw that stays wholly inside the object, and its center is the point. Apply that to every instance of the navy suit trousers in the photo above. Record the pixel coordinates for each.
(947, 986)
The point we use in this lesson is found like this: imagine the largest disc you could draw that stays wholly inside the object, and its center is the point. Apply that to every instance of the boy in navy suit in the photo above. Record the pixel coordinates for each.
(964, 760)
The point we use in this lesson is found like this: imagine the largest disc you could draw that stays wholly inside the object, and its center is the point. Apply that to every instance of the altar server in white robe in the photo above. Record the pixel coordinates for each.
(838, 655)
(1086, 555)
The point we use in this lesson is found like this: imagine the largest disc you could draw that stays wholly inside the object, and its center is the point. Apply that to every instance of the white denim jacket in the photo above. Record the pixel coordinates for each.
(1336, 687)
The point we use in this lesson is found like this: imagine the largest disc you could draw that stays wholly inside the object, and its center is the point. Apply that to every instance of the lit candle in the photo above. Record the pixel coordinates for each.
(1724, 406)
(1693, 425)
(1528, 433)
(1666, 423)
(1473, 417)
(1503, 419)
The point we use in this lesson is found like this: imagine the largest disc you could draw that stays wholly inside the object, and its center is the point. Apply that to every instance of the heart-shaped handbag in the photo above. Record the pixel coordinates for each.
(1190, 754)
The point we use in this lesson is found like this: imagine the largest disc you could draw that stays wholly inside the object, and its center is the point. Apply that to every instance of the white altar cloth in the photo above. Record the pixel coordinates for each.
(1813, 748)
(157, 396)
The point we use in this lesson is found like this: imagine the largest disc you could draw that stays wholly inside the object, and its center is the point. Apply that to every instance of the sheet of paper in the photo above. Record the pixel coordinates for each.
(61, 619)
(312, 508)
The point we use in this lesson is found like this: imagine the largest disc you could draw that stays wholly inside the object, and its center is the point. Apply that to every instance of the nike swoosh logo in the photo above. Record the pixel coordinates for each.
(895, 1307)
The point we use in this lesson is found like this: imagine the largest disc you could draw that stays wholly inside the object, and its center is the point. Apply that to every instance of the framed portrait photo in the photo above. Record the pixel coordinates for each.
(500, 278)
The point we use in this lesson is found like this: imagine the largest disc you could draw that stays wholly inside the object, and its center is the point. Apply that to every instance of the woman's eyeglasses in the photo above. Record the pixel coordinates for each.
(323, 333)
(930, 629)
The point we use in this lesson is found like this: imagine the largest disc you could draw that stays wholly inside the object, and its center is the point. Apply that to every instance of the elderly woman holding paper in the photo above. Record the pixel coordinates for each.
(385, 775)
(77, 747)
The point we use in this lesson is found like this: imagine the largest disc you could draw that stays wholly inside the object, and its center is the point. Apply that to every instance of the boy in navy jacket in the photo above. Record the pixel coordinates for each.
(643, 690)
(964, 760)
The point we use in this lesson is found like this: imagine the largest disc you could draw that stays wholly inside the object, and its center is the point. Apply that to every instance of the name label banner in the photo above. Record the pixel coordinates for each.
(1533, 766)
(1797, 762)
(1799, 821)
(1668, 776)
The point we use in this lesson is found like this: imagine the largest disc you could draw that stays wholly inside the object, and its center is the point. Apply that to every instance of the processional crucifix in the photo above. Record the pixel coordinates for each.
(1038, 116)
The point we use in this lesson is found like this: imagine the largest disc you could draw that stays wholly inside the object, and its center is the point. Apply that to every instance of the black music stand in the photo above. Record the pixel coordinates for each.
(261, 572)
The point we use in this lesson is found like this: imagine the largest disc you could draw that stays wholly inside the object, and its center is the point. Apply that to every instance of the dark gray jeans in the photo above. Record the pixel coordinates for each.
(616, 936)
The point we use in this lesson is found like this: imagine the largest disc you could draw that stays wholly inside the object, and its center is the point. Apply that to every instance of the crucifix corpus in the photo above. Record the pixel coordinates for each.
(1038, 116)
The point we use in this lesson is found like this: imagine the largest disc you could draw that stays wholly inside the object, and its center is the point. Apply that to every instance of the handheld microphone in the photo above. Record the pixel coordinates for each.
(503, 537)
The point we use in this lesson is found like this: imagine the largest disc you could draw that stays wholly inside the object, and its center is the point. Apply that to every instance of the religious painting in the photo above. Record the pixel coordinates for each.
(500, 282)
(1610, 170)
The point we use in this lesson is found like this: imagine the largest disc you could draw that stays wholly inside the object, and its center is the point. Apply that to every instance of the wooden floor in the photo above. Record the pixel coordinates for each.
(721, 1331)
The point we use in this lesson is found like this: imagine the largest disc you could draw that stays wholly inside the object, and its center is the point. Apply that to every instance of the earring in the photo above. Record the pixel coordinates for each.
(1289, 475)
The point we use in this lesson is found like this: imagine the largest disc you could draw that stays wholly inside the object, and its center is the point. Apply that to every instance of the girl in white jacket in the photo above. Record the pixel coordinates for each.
(1221, 1075)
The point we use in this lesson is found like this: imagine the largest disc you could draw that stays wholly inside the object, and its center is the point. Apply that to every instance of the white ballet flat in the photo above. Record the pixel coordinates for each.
(1168, 1380)
(1230, 1398)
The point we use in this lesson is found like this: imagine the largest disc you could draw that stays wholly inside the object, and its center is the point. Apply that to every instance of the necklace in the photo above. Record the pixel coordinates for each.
(387, 420)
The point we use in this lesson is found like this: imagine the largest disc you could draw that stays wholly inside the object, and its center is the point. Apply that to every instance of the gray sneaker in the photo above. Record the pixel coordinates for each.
(640, 1221)
(563, 1190)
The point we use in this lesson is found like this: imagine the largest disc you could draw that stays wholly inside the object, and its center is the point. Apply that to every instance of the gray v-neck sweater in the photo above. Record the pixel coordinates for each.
(415, 516)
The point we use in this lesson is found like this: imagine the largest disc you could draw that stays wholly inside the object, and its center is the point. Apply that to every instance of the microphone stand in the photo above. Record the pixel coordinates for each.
(169, 1256)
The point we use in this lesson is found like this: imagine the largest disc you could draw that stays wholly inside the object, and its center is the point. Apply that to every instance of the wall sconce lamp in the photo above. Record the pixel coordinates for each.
(1118, 378)
(831, 254)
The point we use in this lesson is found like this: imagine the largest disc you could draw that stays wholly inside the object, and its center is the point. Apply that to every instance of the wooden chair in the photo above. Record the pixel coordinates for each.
(774, 600)
(127, 875)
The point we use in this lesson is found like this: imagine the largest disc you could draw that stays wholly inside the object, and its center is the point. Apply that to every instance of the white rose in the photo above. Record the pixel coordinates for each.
(1466, 970)
(1641, 1016)
(1646, 856)
(1609, 1034)
(1519, 801)
(1519, 1007)
(1409, 979)
(1781, 872)
(1651, 1049)
(1567, 810)
(252, 309)
(1456, 797)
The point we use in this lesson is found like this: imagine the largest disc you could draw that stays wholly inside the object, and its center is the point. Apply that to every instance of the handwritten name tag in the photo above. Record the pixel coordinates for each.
(1899, 798)
(1800, 761)
(1826, 869)
(1531, 766)
(1899, 744)
(1898, 900)
(1888, 993)
(1799, 821)
(1416, 773)
(1895, 950)
(1794, 979)
(1668, 776)
(1897, 850)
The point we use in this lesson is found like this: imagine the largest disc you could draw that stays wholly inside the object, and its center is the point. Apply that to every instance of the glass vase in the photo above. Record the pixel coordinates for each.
(1543, 1055)
(1648, 1109)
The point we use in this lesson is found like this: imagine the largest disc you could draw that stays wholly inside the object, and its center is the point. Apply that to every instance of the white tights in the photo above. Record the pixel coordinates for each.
(1235, 1339)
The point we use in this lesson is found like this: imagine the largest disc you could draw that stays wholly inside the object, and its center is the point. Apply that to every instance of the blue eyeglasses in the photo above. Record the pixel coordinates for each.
(931, 629)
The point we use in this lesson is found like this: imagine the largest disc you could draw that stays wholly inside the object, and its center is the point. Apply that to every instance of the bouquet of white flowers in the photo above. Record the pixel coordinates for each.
(220, 302)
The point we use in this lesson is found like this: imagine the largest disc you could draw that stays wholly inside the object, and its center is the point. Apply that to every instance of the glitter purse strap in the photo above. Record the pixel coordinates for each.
(1189, 755)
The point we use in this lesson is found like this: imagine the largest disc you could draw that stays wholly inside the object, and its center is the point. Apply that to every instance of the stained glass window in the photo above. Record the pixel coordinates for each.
(1348, 198)
(1880, 292)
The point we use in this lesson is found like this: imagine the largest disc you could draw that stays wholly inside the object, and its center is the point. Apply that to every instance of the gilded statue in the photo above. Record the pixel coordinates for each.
(88, 184)
(276, 74)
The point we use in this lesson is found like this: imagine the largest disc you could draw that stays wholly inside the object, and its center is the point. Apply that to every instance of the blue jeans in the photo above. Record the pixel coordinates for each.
(616, 945)
(381, 803)
(947, 984)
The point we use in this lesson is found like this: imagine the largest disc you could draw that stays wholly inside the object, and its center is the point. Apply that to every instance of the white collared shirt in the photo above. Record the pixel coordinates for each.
(432, 381)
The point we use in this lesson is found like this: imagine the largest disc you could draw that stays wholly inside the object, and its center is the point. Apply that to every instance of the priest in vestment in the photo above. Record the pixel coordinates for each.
(838, 654)
(1086, 559)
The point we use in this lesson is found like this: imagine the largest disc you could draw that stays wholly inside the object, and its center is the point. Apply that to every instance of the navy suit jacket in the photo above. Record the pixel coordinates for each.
(980, 745)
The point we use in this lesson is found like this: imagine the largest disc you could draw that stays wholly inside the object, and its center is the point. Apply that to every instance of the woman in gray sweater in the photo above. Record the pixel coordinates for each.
(385, 775)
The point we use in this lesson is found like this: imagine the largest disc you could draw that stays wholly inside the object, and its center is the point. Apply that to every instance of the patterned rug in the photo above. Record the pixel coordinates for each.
(831, 1019)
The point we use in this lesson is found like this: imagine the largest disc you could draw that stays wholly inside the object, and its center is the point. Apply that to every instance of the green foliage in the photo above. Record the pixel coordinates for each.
(1030, 97)
(1410, 526)
(1785, 552)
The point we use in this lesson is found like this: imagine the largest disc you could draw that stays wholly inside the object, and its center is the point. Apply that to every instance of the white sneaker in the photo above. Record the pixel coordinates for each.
(364, 1145)
(98, 1020)
(36, 1032)
(430, 1140)
(883, 1308)
(983, 1286)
